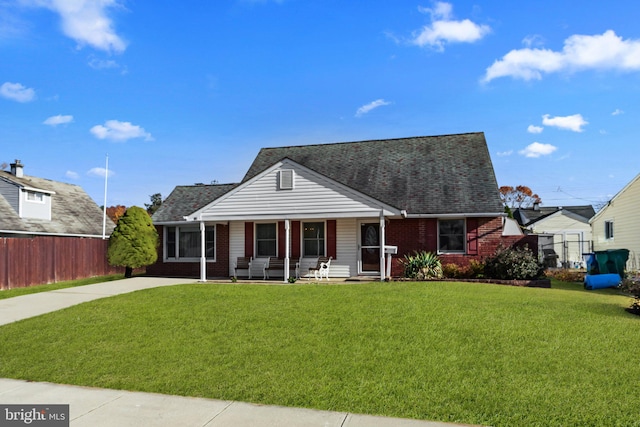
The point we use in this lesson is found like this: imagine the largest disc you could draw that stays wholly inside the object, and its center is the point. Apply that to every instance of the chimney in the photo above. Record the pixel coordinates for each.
(16, 169)
(536, 206)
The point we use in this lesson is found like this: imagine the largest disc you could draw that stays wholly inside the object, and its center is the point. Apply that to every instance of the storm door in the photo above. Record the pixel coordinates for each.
(370, 247)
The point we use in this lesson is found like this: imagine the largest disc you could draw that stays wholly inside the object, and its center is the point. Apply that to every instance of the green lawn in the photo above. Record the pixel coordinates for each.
(469, 353)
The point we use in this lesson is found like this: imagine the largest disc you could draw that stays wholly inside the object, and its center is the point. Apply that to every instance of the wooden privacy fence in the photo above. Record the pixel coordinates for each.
(28, 261)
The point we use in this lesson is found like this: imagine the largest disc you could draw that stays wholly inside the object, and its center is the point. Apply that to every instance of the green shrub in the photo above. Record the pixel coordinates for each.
(631, 286)
(475, 270)
(517, 263)
(451, 271)
(422, 265)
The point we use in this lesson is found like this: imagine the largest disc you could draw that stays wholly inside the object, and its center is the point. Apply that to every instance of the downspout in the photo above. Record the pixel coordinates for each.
(287, 243)
(203, 254)
(382, 245)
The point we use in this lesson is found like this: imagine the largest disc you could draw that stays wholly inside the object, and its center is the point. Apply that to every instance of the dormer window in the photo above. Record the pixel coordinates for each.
(34, 196)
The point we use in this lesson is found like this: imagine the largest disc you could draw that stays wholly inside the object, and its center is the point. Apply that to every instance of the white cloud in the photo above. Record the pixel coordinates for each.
(537, 149)
(370, 106)
(120, 131)
(573, 123)
(101, 64)
(100, 172)
(17, 92)
(72, 175)
(535, 129)
(504, 153)
(604, 51)
(444, 30)
(617, 112)
(533, 40)
(58, 120)
(86, 21)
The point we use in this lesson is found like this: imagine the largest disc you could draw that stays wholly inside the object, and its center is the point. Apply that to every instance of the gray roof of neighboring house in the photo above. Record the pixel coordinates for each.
(186, 199)
(445, 174)
(528, 216)
(73, 212)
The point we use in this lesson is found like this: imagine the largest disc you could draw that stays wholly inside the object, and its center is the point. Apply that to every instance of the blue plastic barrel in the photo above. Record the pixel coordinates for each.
(599, 281)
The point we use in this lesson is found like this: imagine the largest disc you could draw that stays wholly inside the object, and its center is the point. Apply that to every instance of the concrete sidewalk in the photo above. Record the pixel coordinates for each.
(25, 306)
(95, 407)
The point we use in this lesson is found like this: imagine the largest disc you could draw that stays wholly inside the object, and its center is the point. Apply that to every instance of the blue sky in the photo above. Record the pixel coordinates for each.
(177, 93)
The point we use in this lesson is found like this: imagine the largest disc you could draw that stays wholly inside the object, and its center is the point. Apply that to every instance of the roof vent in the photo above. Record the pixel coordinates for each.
(286, 179)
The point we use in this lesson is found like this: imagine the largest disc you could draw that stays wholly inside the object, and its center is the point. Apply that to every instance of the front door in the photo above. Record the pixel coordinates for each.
(369, 247)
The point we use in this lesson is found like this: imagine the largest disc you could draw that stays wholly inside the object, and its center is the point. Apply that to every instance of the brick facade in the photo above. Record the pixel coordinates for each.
(219, 268)
(484, 235)
(411, 235)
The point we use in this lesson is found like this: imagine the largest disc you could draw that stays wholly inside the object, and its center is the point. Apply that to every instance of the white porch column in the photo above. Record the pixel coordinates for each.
(382, 245)
(203, 254)
(287, 244)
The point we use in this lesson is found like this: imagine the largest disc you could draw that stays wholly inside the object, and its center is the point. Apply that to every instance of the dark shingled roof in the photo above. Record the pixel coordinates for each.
(186, 199)
(528, 216)
(72, 210)
(423, 175)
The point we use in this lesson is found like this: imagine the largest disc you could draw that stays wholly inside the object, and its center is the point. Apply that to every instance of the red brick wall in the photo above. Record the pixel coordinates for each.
(415, 234)
(217, 269)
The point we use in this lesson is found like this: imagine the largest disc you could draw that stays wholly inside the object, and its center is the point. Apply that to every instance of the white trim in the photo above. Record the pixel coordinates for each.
(383, 243)
(458, 215)
(268, 217)
(376, 204)
(203, 250)
(41, 233)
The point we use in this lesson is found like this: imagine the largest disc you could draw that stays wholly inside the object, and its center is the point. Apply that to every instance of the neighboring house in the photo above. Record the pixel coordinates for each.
(49, 231)
(567, 229)
(617, 224)
(347, 201)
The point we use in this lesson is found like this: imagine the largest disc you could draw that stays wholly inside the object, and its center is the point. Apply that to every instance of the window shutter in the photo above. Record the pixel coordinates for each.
(472, 236)
(331, 238)
(248, 239)
(281, 239)
(295, 239)
(286, 179)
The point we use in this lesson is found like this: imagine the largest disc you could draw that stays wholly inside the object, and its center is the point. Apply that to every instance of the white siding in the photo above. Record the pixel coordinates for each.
(36, 209)
(624, 211)
(571, 236)
(311, 196)
(345, 265)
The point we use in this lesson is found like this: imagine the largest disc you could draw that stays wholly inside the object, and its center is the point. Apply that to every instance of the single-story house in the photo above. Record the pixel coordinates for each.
(350, 201)
(567, 228)
(617, 224)
(49, 231)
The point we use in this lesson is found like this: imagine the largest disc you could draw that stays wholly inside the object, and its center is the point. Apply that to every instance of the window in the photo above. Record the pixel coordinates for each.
(266, 240)
(313, 239)
(34, 196)
(451, 235)
(608, 229)
(183, 243)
